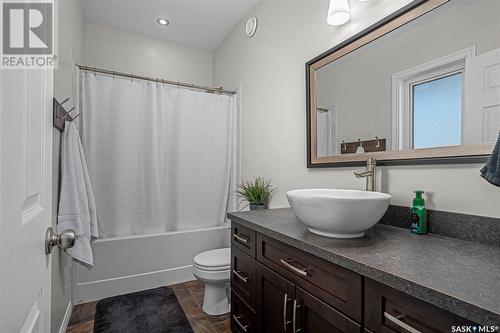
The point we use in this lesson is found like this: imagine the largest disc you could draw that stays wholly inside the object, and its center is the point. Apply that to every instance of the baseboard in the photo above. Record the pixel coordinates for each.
(67, 316)
(95, 290)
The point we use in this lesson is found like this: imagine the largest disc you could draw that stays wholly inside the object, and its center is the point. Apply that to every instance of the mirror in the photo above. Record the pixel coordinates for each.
(422, 85)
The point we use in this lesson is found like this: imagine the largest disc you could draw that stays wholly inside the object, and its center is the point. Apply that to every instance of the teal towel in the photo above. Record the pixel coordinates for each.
(491, 171)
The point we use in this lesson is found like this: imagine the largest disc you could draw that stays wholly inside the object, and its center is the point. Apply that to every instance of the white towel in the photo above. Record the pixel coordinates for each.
(76, 201)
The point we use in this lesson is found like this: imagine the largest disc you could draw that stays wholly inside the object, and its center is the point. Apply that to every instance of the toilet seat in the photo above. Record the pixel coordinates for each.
(213, 268)
(213, 260)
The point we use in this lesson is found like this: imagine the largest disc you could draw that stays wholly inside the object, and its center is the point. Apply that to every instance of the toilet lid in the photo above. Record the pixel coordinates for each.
(219, 258)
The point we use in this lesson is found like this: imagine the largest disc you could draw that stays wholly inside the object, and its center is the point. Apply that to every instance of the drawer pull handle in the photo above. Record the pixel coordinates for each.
(294, 318)
(237, 321)
(285, 321)
(239, 276)
(400, 323)
(240, 239)
(299, 271)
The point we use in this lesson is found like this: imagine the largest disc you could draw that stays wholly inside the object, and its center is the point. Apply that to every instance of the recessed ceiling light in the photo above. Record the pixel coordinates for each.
(163, 21)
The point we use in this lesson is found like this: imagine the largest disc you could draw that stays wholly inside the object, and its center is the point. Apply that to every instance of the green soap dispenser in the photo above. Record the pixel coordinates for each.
(418, 214)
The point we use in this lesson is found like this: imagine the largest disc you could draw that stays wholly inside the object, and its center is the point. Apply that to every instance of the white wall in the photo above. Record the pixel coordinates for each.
(271, 69)
(70, 44)
(137, 54)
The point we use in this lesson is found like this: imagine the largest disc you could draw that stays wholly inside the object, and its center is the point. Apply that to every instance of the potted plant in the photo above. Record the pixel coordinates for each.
(255, 192)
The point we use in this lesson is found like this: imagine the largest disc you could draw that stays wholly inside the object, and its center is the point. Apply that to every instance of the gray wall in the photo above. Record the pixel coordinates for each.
(270, 68)
(359, 84)
(133, 53)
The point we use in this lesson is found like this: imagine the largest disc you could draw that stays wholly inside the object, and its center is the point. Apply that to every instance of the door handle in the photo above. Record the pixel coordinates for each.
(239, 276)
(285, 321)
(291, 267)
(400, 323)
(65, 239)
(239, 238)
(244, 328)
(294, 317)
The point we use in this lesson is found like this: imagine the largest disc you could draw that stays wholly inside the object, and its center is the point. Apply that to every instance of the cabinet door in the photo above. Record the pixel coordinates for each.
(274, 300)
(309, 314)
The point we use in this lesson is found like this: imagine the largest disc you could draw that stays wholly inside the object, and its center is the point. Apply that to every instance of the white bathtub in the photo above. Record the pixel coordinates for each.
(127, 264)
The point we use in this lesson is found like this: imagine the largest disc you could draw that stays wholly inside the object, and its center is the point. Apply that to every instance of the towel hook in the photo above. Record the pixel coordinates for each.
(360, 143)
(344, 146)
(378, 142)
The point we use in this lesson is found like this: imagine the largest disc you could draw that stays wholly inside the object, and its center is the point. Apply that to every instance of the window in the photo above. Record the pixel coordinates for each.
(427, 103)
(437, 111)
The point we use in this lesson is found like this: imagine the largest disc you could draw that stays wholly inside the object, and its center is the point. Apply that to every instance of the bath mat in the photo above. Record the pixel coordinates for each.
(149, 311)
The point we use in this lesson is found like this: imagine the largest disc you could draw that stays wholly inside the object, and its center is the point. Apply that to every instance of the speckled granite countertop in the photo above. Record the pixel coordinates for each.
(459, 276)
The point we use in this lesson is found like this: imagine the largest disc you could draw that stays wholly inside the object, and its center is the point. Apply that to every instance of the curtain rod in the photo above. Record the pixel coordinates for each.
(146, 78)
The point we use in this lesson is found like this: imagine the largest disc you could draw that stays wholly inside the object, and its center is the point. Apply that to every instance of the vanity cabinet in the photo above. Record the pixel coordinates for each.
(279, 288)
(284, 307)
(388, 310)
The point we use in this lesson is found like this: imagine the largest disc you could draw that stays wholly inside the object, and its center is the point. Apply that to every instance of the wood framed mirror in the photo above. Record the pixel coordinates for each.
(422, 86)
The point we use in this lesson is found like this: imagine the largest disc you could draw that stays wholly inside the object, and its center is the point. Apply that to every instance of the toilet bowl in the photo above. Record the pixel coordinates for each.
(213, 269)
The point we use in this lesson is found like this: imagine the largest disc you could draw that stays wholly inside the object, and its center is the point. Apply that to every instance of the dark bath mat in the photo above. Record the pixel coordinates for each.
(149, 311)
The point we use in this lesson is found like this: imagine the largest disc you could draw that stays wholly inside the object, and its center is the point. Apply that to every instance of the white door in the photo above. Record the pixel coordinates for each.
(481, 119)
(25, 199)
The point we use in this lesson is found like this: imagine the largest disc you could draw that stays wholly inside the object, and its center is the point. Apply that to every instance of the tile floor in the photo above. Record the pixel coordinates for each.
(190, 296)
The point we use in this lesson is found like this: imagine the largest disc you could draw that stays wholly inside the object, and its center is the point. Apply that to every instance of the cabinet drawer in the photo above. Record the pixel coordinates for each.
(334, 285)
(242, 317)
(243, 238)
(243, 276)
(388, 310)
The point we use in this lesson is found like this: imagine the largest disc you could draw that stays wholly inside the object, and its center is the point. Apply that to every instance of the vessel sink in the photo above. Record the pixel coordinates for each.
(338, 213)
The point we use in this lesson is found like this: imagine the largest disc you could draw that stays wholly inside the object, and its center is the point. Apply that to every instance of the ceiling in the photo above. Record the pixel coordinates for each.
(201, 24)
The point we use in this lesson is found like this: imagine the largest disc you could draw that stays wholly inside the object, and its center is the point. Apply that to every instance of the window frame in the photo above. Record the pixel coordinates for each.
(402, 103)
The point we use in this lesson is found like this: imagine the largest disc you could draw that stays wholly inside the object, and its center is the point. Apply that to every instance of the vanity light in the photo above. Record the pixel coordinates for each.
(163, 21)
(338, 12)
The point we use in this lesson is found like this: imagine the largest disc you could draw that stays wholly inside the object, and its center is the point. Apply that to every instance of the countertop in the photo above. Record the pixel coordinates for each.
(459, 276)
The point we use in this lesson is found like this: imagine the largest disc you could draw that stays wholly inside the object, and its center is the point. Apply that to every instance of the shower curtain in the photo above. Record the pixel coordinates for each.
(326, 132)
(160, 157)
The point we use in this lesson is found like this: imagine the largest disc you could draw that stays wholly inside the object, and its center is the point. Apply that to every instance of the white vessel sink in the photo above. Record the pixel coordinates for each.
(338, 213)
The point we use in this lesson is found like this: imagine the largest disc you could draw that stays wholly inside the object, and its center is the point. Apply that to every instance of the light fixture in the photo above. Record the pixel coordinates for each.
(163, 21)
(338, 12)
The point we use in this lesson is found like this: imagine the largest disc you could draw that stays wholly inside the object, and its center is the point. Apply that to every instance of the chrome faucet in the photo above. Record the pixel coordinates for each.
(370, 173)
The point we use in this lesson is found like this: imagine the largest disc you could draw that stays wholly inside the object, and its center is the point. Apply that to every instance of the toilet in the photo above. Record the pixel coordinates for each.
(213, 269)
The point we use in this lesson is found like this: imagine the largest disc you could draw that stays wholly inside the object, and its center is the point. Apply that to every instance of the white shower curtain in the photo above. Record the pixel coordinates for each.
(161, 158)
(326, 132)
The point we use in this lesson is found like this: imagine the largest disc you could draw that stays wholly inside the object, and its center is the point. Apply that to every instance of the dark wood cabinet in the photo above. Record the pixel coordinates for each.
(285, 307)
(334, 285)
(388, 310)
(274, 297)
(243, 276)
(243, 238)
(279, 288)
(242, 316)
(314, 315)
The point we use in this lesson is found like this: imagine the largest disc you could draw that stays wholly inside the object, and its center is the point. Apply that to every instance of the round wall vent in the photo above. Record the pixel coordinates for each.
(251, 26)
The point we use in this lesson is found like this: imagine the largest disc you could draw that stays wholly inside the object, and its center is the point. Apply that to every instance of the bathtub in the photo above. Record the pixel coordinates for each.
(127, 264)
